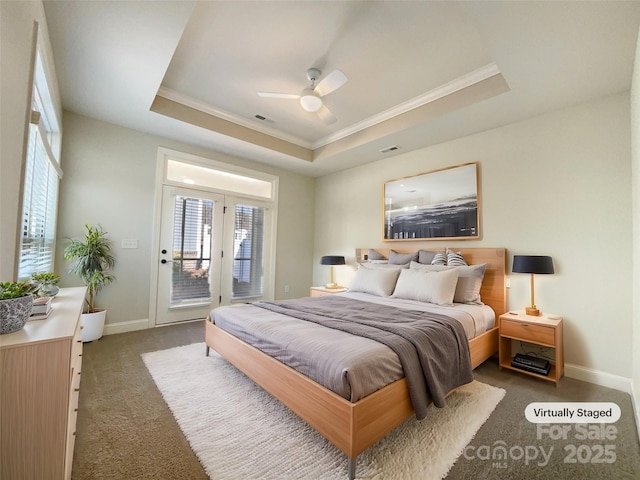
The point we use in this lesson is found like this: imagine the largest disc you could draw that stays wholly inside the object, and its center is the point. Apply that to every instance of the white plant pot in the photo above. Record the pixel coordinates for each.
(92, 325)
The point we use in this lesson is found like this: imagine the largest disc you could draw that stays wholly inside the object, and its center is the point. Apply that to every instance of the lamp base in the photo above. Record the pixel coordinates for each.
(533, 311)
(332, 286)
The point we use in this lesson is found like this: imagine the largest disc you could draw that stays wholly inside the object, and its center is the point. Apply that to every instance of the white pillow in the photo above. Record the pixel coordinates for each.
(376, 281)
(469, 280)
(427, 286)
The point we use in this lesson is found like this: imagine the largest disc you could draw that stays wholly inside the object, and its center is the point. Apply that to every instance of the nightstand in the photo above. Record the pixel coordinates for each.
(322, 291)
(544, 331)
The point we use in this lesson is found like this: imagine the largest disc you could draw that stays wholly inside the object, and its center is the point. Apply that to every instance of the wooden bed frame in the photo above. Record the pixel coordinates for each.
(354, 426)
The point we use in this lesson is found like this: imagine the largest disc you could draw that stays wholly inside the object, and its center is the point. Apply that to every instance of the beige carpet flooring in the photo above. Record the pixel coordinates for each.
(126, 431)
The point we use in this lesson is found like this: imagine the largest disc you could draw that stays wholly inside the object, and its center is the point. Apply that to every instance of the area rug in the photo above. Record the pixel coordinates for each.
(238, 431)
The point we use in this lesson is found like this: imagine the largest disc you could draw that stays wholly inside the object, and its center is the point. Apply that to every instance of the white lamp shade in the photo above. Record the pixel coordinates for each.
(310, 101)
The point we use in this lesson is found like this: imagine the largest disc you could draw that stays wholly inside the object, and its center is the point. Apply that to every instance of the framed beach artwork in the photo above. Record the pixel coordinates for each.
(437, 205)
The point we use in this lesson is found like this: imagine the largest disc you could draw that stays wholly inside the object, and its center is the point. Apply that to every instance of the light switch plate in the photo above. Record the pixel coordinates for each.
(129, 243)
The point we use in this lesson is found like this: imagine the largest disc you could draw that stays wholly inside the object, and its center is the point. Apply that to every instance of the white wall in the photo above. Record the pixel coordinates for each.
(109, 180)
(16, 50)
(635, 178)
(557, 185)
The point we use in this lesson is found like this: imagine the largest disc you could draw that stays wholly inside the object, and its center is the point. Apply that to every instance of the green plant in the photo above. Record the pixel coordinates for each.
(46, 278)
(48, 283)
(17, 289)
(92, 261)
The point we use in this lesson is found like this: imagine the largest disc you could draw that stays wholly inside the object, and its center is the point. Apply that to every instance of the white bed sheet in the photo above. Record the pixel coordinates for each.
(476, 319)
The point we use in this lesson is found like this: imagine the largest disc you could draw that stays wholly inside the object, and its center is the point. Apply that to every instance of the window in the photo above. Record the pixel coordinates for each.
(41, 180)
(248, 252)
(191, 250)
(216, 178)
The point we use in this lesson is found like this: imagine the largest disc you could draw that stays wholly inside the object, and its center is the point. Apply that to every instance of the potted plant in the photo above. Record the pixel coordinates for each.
(16, 301)
(48, 284)
(92, 260)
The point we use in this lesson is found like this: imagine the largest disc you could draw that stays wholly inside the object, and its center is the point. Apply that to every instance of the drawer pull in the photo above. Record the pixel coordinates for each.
(525, 324)
(76, 389)
(79, 341)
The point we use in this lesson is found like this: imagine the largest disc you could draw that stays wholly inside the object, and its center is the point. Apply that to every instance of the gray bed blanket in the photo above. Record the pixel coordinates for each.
(433, 349)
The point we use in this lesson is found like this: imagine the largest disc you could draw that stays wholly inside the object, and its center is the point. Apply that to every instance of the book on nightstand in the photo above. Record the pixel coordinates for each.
(41, 308)
(39, 316)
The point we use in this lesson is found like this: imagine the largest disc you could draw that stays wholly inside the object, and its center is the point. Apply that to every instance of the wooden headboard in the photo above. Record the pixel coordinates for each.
(494, 289)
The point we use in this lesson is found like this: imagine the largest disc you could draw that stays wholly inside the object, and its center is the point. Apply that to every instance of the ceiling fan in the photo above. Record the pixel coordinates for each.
(311, 97)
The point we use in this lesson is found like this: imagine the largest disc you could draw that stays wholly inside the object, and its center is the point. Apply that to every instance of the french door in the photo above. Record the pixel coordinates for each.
(190, 254)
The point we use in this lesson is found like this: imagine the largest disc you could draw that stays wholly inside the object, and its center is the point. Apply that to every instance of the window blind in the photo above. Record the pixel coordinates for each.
(39, 207)
(248, 269)
(191, 250)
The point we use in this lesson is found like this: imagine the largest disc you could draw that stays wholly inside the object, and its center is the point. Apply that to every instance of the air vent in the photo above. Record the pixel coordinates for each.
(392, 148)
(263, 118)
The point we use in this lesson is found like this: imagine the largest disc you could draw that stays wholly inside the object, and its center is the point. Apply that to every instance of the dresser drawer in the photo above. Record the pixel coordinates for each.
(76, 358)
(528, 332)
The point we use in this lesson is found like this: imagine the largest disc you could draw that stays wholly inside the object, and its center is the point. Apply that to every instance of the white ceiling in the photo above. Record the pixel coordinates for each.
(420, 72)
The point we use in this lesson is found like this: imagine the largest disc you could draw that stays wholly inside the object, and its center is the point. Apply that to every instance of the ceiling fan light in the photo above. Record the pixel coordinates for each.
(309, 101)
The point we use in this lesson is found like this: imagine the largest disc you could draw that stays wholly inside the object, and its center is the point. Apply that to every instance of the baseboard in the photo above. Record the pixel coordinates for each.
(598, 377)
(128, 326)
(635, 402)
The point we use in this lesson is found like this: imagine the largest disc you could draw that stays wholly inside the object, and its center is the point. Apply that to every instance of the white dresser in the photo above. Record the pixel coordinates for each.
(39, 388)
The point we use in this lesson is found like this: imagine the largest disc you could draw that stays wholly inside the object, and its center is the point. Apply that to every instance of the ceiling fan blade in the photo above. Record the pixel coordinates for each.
(278, 95)
(326, 115)
(331, 82)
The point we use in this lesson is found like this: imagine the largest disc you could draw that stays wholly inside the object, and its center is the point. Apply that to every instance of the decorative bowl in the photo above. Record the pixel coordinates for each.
(14, 313)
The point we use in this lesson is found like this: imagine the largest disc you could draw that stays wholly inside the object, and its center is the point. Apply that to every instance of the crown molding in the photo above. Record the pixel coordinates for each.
(464, 81)
(448, 88)
(189, 101)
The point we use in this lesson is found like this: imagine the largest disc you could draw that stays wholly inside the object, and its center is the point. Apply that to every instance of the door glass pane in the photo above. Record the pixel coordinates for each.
(191, 251)
(247, 249)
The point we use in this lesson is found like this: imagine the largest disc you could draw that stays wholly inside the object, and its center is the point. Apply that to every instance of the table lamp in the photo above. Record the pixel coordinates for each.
(332, 260)
(532, 264)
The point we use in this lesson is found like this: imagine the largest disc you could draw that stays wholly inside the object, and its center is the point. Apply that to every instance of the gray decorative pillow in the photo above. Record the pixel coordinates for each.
(439, 259)
(374, 255)
(469, 284)
(428, 268)
(402, 258)
(425, 257)
(469, 280)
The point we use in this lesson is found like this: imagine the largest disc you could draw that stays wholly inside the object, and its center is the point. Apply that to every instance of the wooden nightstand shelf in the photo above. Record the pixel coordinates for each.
(544, 331)
(322, 291)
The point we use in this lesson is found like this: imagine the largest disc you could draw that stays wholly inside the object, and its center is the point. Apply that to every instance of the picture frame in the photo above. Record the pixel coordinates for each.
(437, 205)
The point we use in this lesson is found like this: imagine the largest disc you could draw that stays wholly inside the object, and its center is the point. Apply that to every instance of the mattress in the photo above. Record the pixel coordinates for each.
(351, 366)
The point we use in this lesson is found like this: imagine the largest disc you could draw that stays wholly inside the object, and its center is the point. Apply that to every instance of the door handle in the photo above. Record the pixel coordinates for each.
(163, 261)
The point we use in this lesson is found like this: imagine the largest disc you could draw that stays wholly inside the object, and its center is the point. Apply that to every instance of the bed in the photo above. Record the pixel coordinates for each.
(352, 425)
